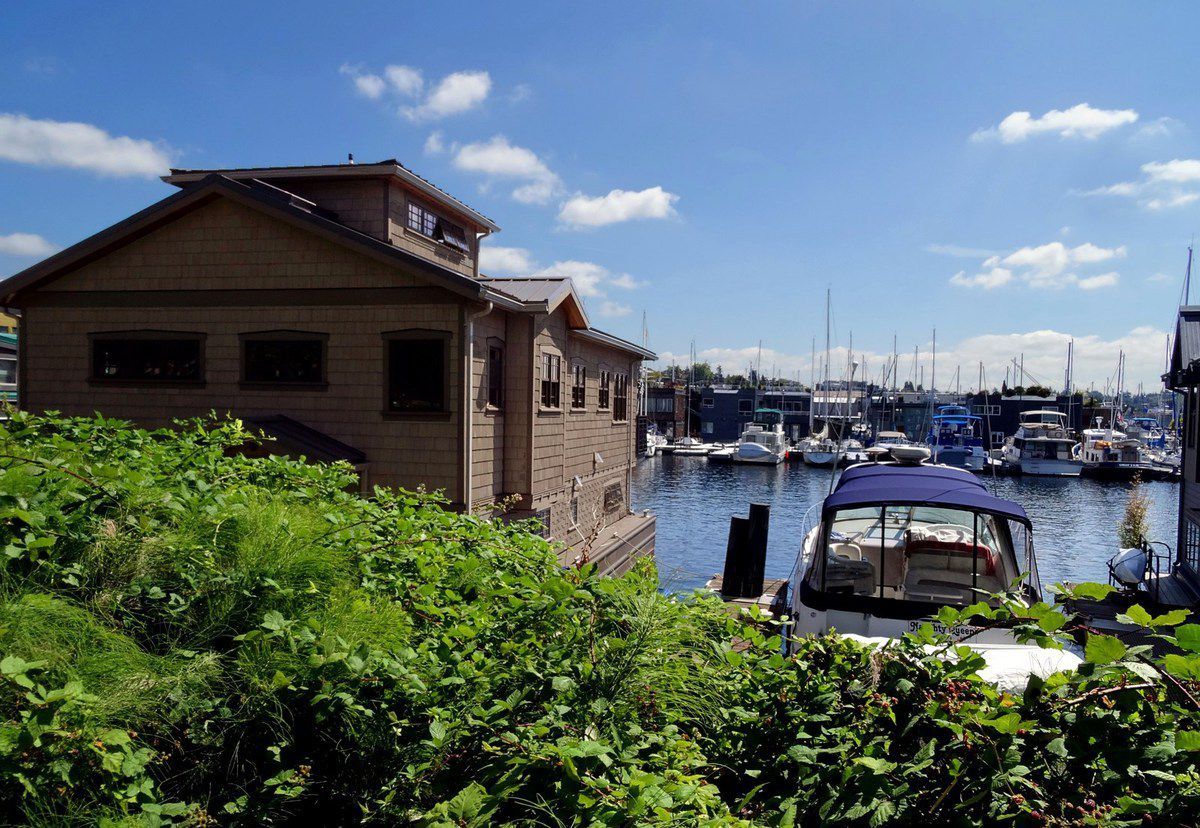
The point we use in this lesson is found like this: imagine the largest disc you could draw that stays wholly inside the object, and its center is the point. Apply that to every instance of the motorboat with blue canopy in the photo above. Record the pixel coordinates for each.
(893, 544)
(955, 438)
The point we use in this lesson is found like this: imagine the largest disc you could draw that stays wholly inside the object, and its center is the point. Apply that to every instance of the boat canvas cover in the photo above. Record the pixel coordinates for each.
(918, 486)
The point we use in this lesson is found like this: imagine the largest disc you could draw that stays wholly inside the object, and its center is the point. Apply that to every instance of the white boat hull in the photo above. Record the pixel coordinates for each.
(1040, 467)
(823, 459)
(756, 454)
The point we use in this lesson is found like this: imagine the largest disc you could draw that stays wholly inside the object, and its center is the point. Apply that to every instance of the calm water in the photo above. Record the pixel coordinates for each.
(1074, 520)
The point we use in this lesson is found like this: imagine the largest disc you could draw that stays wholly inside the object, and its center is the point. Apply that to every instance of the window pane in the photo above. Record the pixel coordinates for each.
(154, 360)
(283, 360)
(495, 377)
(8, 370)
(416, 375)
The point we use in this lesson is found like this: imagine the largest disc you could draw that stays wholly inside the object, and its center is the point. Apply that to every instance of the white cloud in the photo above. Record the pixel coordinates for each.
(590, 278)
(1167, 202)
(1045, 266)
(507, 261)
(520, 93)
(958, 251)
(1158, 277)
(454, 94)
(1164, 185)
(1158, 128)
(26, 244)
(1102, 280)
(79, 146)
(497, 158)
(368, 85)
(617, 206)
(614, 309)
(988, 280)
(434, 145)
(1044, 354)
(1081, 120)
(406, 80)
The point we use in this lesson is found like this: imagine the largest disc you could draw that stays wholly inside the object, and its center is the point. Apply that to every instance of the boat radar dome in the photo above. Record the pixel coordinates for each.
(1128, 567)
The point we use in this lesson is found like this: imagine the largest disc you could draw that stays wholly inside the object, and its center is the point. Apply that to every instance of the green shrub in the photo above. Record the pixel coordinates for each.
(188, 636)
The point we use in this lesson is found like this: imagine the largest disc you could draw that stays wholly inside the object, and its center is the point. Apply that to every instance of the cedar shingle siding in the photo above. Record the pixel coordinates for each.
(224, 269)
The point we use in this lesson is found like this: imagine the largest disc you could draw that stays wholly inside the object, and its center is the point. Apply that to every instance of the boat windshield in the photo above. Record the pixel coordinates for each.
(935, 554)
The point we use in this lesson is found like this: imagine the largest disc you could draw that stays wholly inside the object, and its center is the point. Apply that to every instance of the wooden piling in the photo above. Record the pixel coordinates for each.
(756, 548)
(735, 580)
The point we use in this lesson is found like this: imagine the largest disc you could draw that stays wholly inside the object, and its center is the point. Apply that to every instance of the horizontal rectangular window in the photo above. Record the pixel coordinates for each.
(416, 374)
(428, 223)
(148, 357)
(283, 358)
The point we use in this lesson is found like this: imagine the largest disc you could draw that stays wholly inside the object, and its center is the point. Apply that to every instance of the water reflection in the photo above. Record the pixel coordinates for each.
(1074, 520)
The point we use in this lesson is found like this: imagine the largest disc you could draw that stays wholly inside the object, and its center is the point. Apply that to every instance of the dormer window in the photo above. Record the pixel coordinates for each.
(424, 221)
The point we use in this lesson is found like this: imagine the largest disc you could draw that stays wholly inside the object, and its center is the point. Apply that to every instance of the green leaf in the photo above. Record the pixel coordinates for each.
(1182, 666)
(1170, 619)
(1187, 740)
(437, 731)
(1008, 723)
(884, 811)
(1103, 649)
(562, 683)
(1188, 637)
(875, 764)
(1093, 592)
(1135, 615)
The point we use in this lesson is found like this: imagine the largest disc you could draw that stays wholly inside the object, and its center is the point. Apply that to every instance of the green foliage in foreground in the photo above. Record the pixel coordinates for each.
(191, 637)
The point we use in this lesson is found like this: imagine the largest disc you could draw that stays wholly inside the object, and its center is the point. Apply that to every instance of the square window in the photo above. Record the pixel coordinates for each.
(416, 374)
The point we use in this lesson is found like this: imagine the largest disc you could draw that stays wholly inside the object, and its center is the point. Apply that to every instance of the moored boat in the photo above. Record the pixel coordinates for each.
(763, 442)
(1042, 446)
(954, 438)
(894, 544)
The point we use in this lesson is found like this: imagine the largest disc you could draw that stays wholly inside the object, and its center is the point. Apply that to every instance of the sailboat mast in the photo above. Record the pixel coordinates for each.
(812, 391)
(1187, 280)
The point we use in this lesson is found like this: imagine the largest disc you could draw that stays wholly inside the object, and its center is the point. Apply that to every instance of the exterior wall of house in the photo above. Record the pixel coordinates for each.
(223, 255)
(223, 245)
(401, 236)
(566, 441)
(360, 203)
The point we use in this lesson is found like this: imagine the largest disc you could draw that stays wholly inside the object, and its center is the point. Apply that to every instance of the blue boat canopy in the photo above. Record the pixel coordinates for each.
(877, 485)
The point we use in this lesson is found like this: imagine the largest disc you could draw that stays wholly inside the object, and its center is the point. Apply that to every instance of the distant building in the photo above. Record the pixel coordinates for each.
(341, 309)
(1002, 415)
(725, 412)
(666, 410)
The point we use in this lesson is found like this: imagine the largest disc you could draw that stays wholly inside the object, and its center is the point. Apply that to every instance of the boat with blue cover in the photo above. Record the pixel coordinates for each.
(893, 544)
(955, 438)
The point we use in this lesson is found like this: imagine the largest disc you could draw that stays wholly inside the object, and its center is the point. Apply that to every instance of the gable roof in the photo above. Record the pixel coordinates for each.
(255, 195)
(526, 295)
(543, 295)
(388, 168)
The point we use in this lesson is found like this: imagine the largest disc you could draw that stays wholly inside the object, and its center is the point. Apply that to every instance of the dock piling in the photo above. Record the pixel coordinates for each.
(756, 547)
(735, 579)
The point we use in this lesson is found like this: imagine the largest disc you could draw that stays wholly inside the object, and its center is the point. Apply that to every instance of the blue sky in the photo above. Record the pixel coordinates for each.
(715, 165)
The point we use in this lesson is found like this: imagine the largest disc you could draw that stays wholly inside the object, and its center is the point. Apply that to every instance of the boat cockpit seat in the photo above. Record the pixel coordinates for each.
(850, 551)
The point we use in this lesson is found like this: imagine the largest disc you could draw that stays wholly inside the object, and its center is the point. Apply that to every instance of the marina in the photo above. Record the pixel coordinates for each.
(1074, 519)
